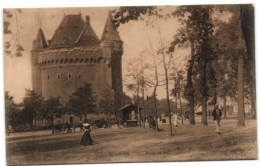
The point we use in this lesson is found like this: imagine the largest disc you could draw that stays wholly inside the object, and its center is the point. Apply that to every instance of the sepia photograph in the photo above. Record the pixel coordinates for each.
(124, 84)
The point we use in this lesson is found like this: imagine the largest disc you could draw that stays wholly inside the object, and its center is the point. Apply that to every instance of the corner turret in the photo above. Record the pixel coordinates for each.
(113, 48)
(38, 46)
(110, 34)
(40, 42)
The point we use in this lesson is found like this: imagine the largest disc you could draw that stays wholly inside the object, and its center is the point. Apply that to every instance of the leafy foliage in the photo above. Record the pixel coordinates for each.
(12, 46)
(53, 108)
(125, 14)
(11, 110)
(83, 101)
(33, 107)
(106, 104)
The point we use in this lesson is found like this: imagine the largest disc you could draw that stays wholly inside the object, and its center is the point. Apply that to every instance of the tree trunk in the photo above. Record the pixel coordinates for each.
(190, 85)
(143, 104)
(253, 106)
(225, 107)
(138, 104)
(52, 128)
(167, 93)
(180, 107)
(155, 107)
(204, 93)
(35, 127)
(176, 104)
(156, 84)
(248, 28)
(240, 101)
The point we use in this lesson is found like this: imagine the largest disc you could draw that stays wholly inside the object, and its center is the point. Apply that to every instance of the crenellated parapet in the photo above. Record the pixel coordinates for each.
(81, 56)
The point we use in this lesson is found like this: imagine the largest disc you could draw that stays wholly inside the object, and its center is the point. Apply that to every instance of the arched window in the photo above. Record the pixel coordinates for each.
(71, 60)
(100, 59)
(66, 61)
(61, 61)
(91, 60)
(58, 76)
(48, 77)
(81, 60)
(86, 60)
(57, 61)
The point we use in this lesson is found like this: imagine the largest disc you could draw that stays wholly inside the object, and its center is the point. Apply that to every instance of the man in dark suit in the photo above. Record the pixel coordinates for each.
(217, 117)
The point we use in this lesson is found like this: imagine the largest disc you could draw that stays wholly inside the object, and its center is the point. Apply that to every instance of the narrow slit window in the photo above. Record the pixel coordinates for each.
(69, 75)
(58, 76)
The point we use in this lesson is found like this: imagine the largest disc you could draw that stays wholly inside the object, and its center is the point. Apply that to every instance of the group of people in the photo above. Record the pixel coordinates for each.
(87, 139)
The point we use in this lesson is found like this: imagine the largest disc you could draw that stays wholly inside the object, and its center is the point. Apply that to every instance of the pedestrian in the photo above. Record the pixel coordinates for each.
(217, 117)
(175, 120)
(86, 138)
(9, 129)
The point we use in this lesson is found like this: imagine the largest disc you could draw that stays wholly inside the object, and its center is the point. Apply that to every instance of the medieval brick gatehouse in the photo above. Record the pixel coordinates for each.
(75, 56)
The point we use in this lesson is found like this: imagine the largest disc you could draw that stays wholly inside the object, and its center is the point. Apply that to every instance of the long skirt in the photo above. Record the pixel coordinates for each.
(86, 139)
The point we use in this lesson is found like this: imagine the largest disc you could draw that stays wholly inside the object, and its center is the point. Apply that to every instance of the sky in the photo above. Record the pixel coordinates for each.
(134, 35)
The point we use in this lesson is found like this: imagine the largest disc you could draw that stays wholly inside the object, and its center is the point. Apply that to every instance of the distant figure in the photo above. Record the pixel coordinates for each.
(86, 138)
(175, 120)
(9, 129)
(68, 127)
(217, 117)
(150, 120)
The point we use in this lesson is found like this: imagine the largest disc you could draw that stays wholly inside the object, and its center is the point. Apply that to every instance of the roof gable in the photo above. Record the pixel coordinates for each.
(68, 31)
(87, 37)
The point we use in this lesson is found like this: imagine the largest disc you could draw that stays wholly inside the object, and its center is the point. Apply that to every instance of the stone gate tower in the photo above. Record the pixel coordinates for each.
(75, 56)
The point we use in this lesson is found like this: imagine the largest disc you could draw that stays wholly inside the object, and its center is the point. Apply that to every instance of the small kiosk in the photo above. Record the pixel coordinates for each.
(129, 115)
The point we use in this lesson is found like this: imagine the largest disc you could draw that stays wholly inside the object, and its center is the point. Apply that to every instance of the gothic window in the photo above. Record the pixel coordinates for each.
(58, 76)
(69, 76)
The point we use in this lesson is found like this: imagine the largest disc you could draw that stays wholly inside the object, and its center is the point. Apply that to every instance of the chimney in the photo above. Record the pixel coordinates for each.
(87, 19)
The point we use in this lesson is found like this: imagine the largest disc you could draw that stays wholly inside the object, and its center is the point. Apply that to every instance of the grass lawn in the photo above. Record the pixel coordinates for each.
(188, 143)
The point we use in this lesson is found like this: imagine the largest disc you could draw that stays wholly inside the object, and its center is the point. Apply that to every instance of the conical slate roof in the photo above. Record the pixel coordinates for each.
(73, 30)
(40, 41)
(110, 32)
